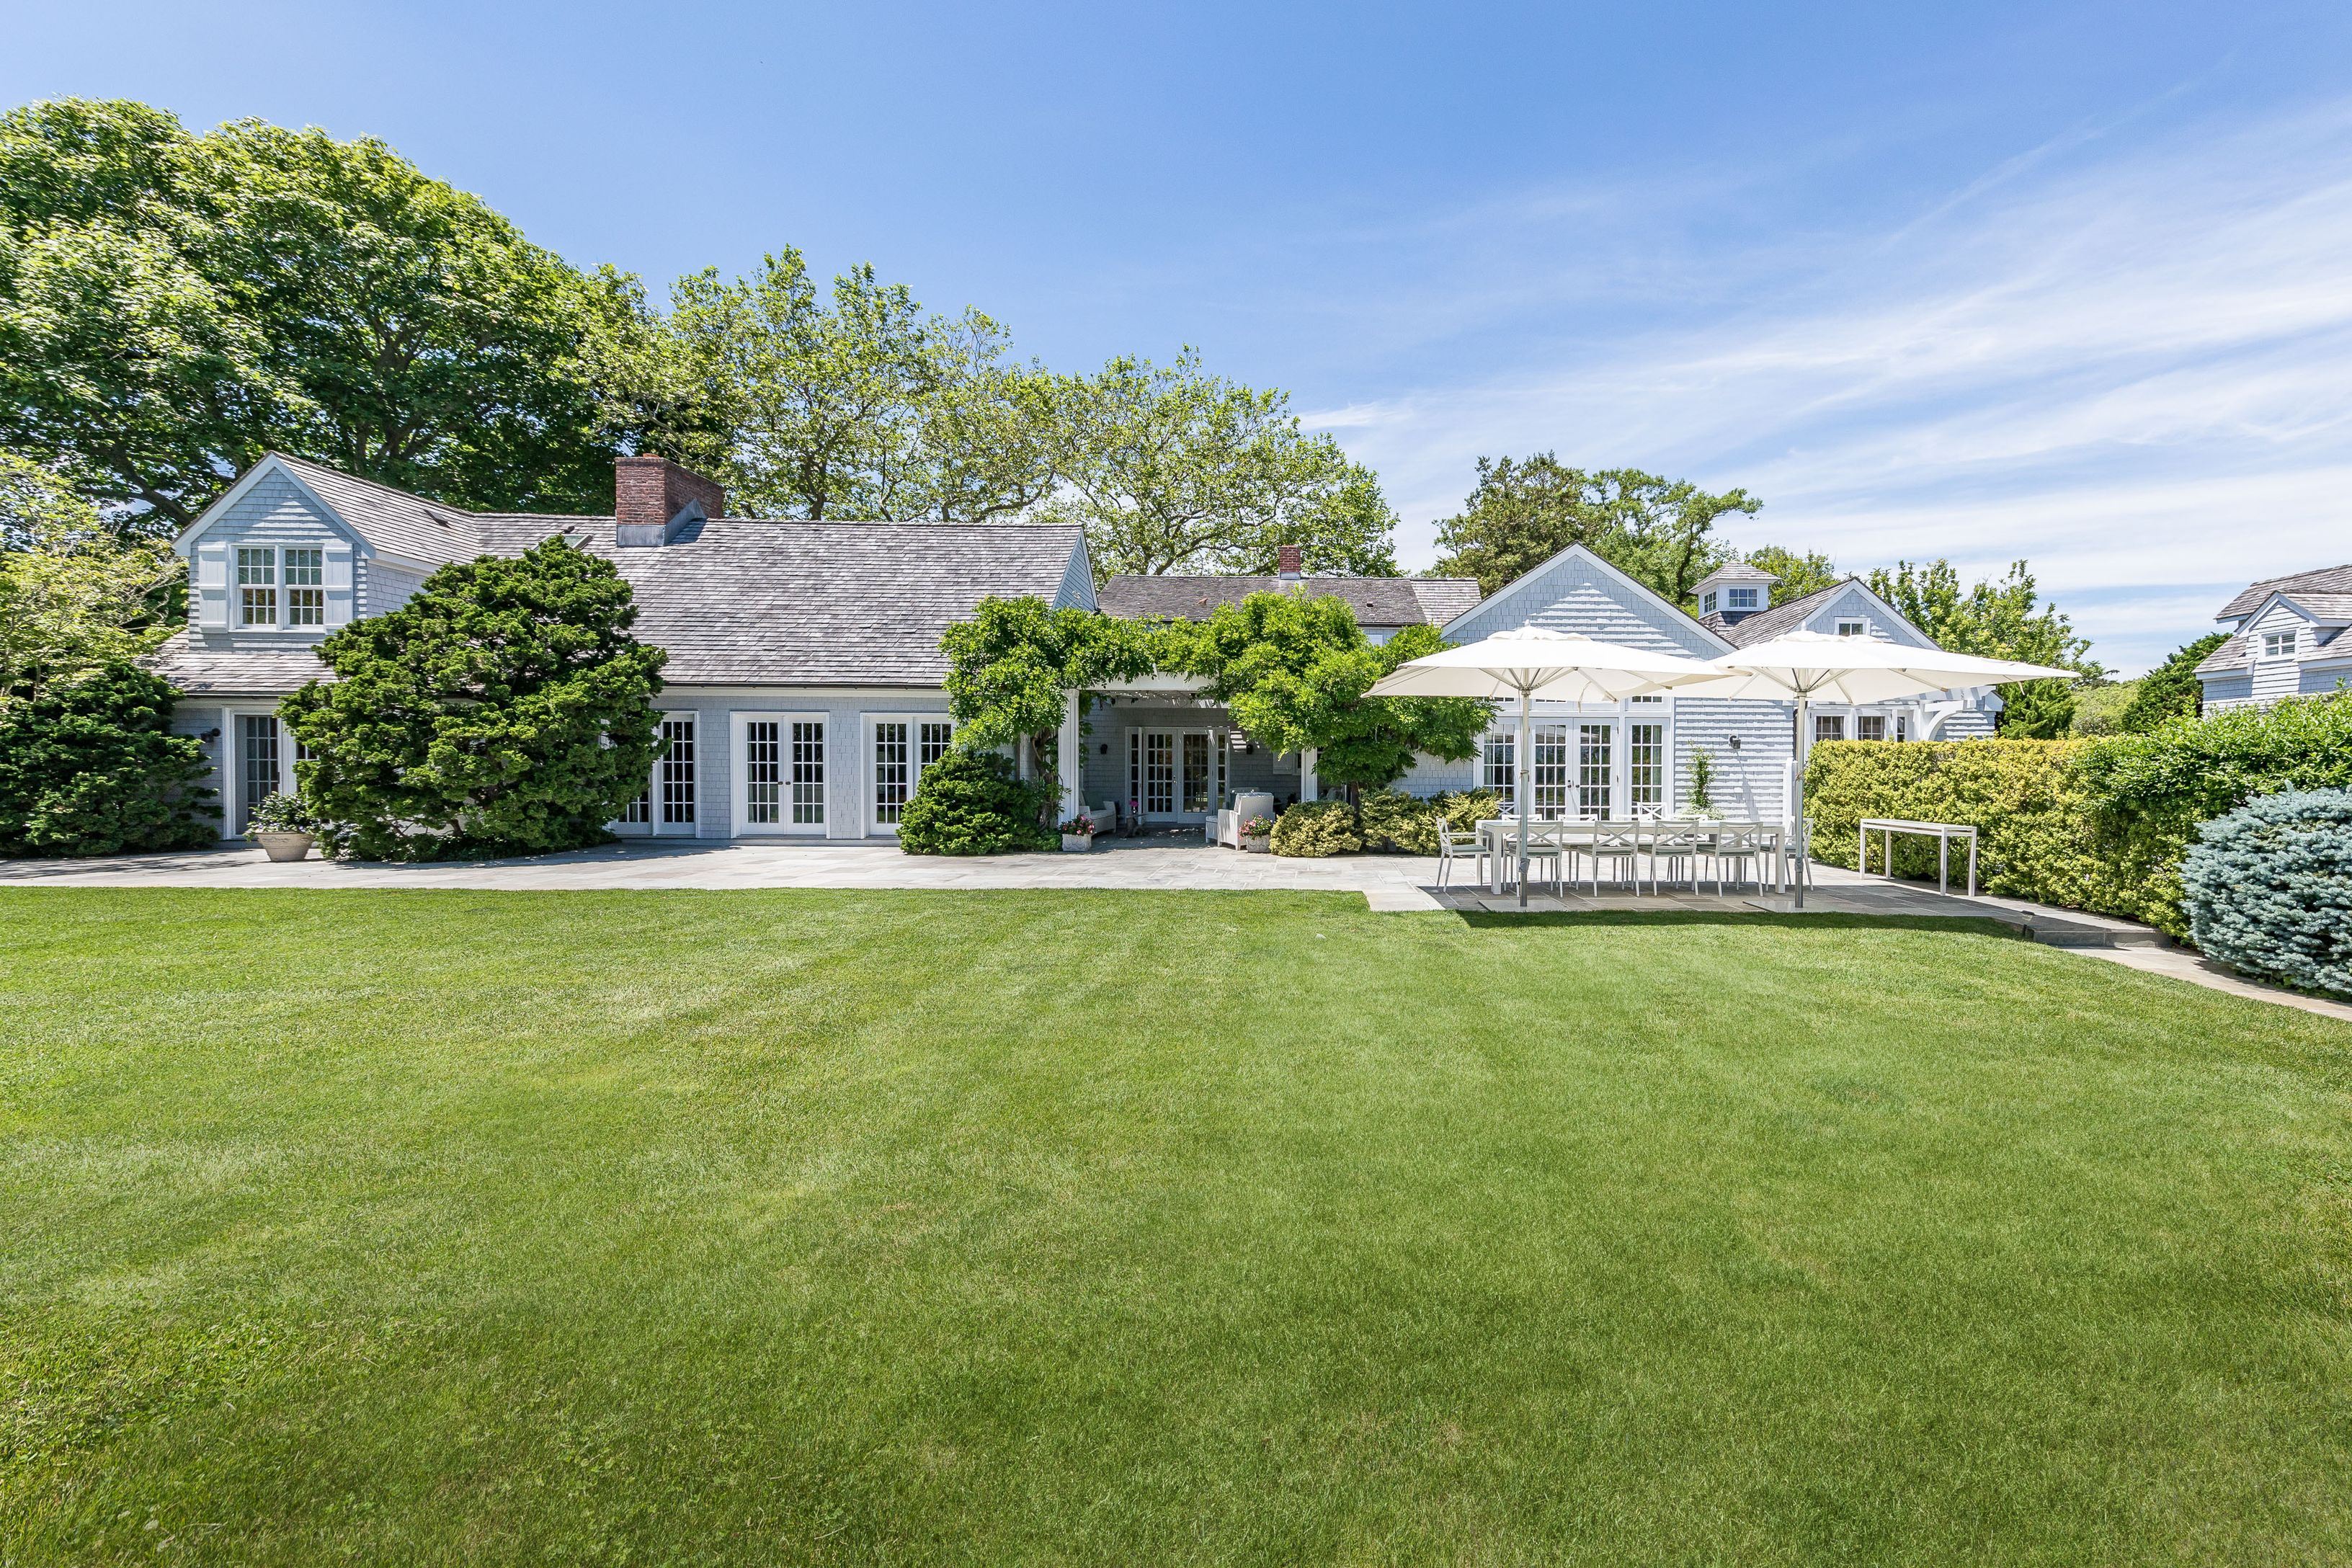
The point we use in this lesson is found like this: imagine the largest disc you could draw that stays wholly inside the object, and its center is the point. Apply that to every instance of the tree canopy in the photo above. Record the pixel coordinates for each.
(1799, 575)
(172, 304)
(1521, 512)
(1995, 618)
(1009, 665)
(1173, 469)
(2170, 691)
(505, 709)
(75, 593)
(1295, 669)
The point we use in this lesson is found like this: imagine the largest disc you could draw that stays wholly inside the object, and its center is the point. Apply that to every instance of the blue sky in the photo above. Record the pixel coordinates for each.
(2071, 282)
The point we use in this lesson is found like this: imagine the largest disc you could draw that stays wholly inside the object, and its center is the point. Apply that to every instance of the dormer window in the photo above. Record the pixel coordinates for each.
(2278, 645)
(269, 579)
(1741, 598)
(1850, 628)
(1706, 604)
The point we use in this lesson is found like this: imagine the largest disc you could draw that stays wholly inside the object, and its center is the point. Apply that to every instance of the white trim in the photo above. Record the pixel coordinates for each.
(654, 827)
(233, 758)
(272, 463)
(739, 773)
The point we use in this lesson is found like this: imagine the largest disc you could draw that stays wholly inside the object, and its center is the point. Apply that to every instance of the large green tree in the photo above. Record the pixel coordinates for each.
(1799, 575)
(2170, 691)
(1173, 469)
(504, 709)
(855, 401)
(1295, 669)
(173, 303)
(75, 593)
(1995, 618)
(1523, 511)
(1010, 664)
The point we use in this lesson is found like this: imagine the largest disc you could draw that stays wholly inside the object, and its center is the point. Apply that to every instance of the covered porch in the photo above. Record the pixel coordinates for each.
(1155, 756)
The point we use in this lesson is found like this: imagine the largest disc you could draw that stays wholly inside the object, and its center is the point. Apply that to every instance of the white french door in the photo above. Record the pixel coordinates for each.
(260, 764)
(1175, 774)
(667, 803)
(780, 760)
(898, 747)
(1591, 768)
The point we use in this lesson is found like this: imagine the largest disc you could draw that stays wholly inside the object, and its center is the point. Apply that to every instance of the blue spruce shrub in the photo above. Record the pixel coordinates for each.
(2269, 889)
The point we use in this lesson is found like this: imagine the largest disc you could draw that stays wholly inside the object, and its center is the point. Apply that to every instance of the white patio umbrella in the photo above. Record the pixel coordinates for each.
(1806, 664)
(1533, 663)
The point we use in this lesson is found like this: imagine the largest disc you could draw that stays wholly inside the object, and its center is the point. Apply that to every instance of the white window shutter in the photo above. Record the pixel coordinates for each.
(210, 571)
(339, 584)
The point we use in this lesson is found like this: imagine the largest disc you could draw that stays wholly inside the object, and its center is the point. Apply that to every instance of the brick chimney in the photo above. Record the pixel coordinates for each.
(649, 494)
(1289, 562)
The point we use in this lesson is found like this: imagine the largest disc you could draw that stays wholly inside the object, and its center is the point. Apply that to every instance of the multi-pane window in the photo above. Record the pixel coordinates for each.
(808, 771)
(256, 586)
(1851, 629)
(1501, 765)
(1645, 765)
(305, 587)
(1157, 770)
(1870, 726)
(1828, 727)
(763, 772)
(1547, 765)
(934, 737)
(256, 751)
(675, 771)
(1593, 769)
(2278, 645)
(1742, 599)
(641, 809)
(1706, 604)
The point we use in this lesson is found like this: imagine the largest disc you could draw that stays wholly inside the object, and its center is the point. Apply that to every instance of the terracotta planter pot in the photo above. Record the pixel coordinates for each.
(286, 846)
(1078, 843)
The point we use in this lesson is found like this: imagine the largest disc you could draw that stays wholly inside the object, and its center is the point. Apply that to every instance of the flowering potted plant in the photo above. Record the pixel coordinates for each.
(283, 827)
(1257, 835)
(1078, 834)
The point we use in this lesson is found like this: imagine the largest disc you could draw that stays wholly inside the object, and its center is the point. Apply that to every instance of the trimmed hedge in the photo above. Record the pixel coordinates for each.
(974, 803)
(2269, 889)
(2096, 823)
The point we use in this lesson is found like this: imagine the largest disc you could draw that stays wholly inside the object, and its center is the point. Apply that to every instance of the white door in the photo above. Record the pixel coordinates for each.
(1176, 775)
(898, 747)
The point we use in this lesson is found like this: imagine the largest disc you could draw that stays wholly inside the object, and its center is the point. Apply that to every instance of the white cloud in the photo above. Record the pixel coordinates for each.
(2127, 368)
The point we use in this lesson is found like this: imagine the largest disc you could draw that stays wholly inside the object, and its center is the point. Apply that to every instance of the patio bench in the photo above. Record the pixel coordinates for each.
(1943, 833)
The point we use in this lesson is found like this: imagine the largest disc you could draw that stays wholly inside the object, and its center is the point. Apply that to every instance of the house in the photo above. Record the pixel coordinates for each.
(2286, 639)
(1158, 747)
(804, 690)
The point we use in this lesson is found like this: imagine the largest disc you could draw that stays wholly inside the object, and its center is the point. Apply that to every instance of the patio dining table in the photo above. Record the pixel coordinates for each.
(1499, 838)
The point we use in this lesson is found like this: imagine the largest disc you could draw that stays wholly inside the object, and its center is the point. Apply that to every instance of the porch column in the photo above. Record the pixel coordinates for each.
(1308, 783)
(1072, 763)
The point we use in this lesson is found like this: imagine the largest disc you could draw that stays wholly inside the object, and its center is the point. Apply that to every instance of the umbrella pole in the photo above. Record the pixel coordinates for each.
(1804, 845)
(1526, 772)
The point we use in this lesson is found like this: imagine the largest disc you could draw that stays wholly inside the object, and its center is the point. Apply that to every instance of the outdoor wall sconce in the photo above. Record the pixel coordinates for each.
(1735, 742)
(1106, 748)
(209, 736)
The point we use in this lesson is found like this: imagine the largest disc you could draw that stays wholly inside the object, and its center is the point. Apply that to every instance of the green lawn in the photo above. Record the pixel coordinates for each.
(1116, 1228)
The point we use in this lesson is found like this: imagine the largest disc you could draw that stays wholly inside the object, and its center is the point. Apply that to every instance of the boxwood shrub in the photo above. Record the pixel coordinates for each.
(1394, 823)
(973, 803)
(2269, 889)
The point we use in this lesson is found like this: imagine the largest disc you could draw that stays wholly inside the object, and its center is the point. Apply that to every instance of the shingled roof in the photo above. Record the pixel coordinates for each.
(1384, 602)
(2327, 580)
(1766, 625)
(735, 601)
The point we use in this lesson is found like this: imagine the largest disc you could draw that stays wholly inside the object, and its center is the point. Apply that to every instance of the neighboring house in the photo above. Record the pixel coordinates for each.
(804, 690)
(2286, 639)
(805, 685)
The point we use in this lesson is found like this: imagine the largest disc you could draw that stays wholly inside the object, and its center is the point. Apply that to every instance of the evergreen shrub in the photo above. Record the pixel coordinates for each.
(2268, 889)
(972, 802)
(90, 767)
(1313, 828)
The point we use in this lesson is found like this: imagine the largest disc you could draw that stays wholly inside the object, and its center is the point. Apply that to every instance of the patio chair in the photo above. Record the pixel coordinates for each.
(1453, 847)
(1622, 847)
(1739, 847)
(1675, 850)
(1539, 850)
